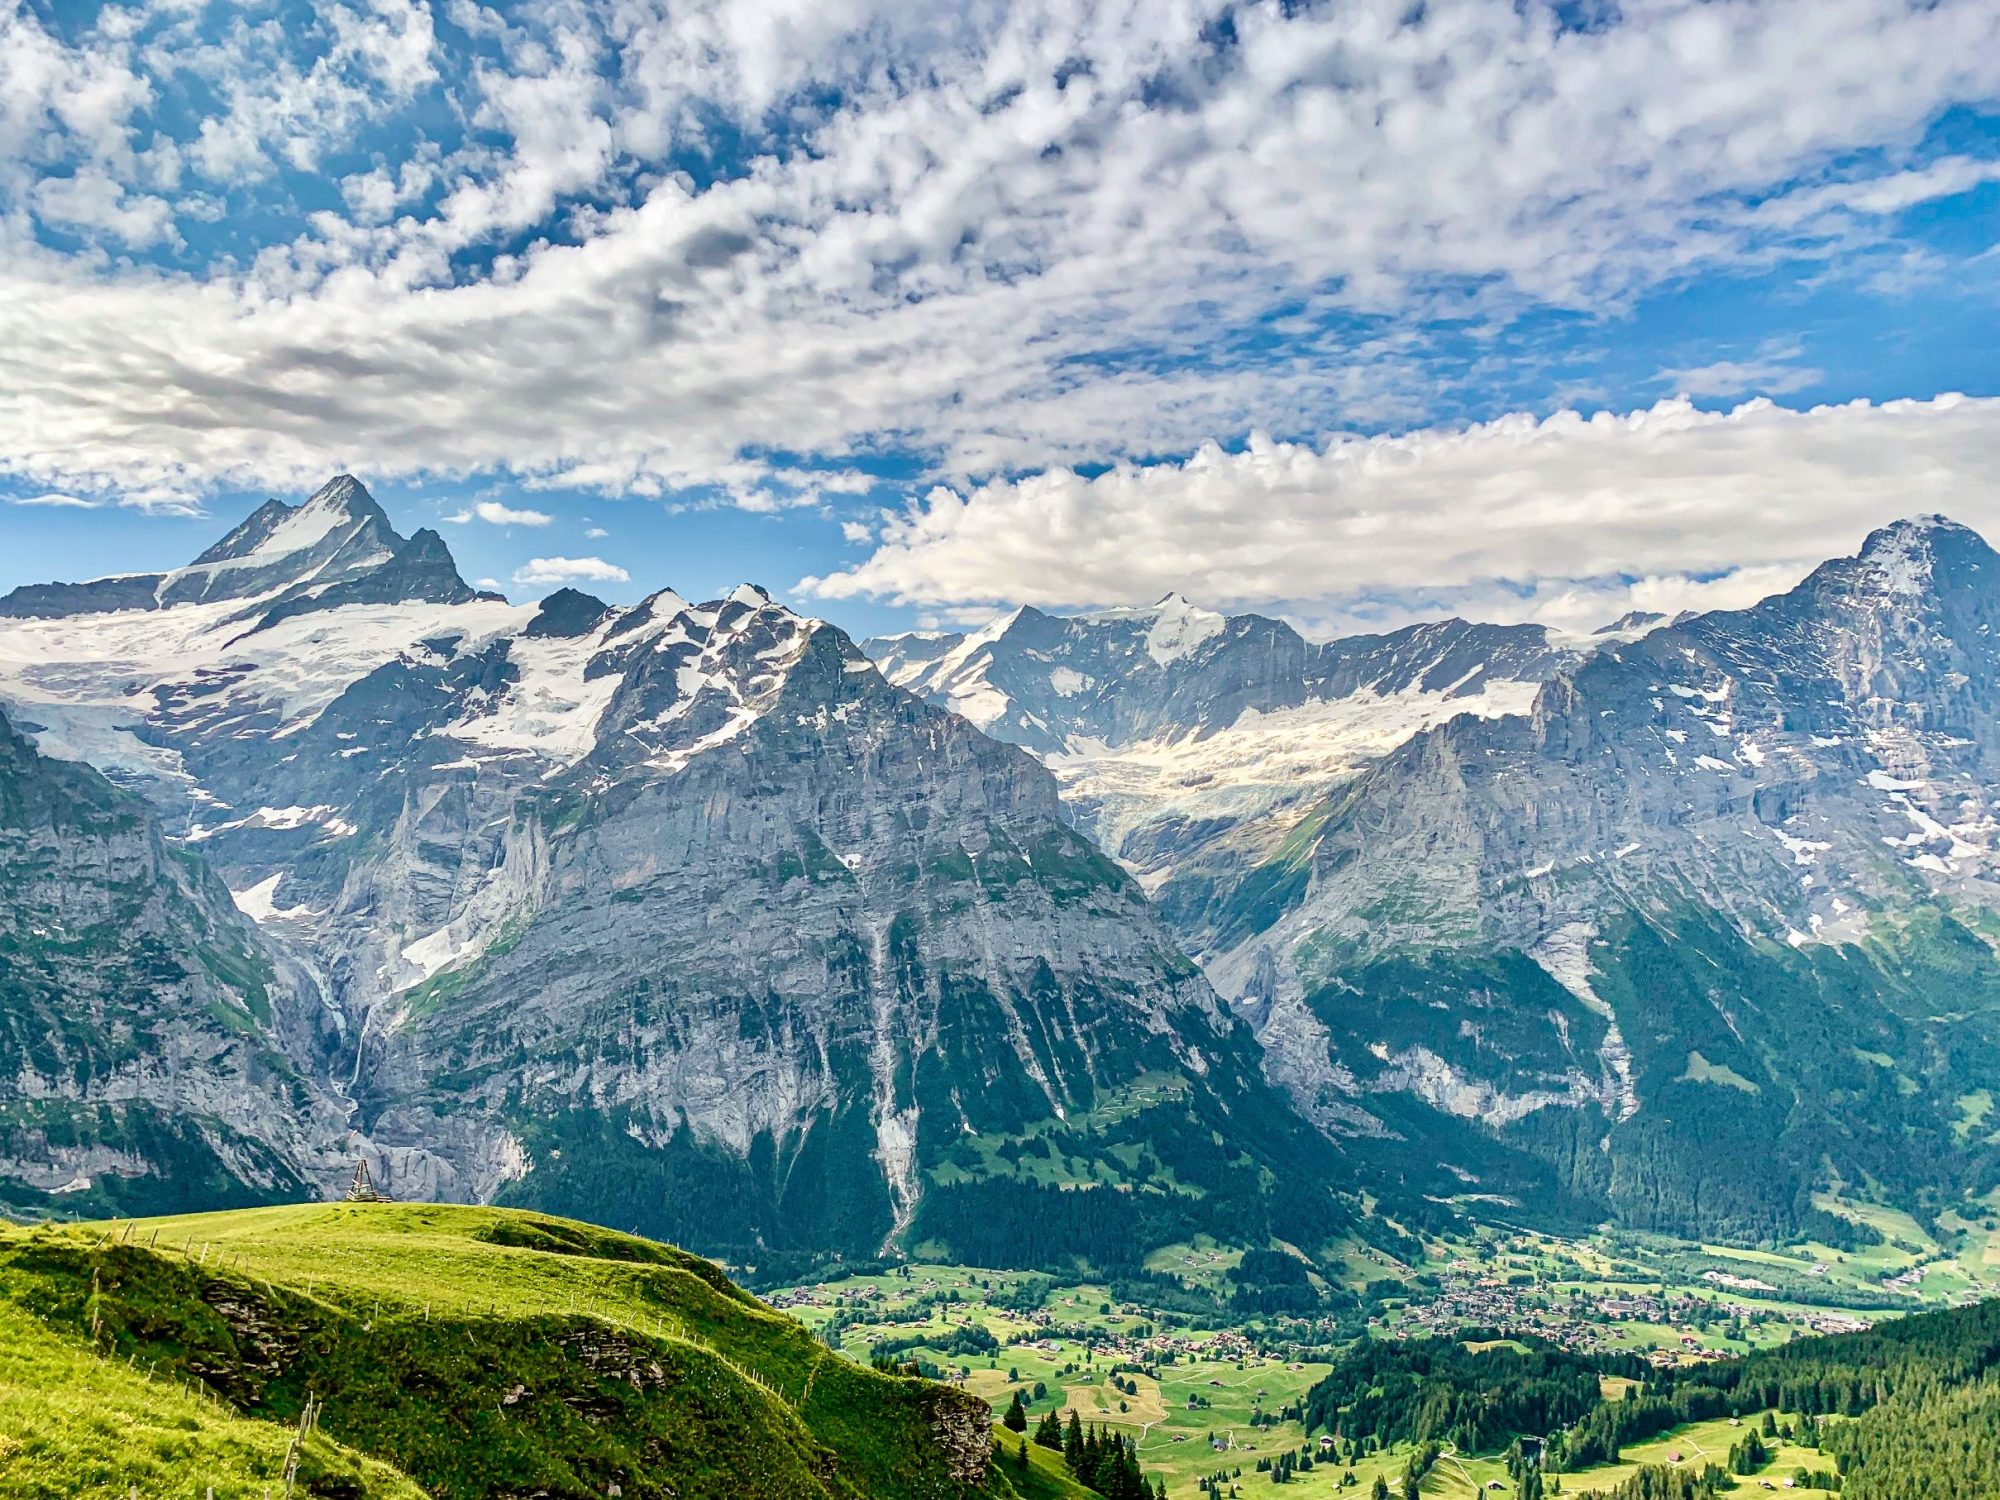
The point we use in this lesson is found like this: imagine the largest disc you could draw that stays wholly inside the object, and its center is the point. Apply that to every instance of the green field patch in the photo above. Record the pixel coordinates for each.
(1973, 1111)
(1701, 1070)
(1696, 1445)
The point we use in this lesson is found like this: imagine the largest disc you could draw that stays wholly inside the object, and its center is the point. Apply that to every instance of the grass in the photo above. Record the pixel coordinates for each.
(1701, 1070)
(1973, 1111)
(1044, 1477)
(1699, 1443)
(72, 1423)
(476, 1351)
(1097, 1402)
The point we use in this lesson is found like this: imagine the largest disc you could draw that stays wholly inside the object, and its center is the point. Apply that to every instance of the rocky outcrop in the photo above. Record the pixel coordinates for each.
(962, 1426)
(57, 600)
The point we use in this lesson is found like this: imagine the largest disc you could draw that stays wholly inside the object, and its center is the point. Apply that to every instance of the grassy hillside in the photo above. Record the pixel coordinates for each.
(72, 1423)
(1037, 1473)
(452, 1351)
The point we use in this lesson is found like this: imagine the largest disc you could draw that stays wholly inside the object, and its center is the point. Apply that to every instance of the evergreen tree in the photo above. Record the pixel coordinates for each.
(1050, 1434)
(1016, 1419)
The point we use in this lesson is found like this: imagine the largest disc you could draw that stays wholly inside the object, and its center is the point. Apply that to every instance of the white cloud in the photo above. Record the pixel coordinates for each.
(64, 502)
(493, 513)
(1568, 519)
(1886, 193)
(377, 194)
(1773, 371)
(92, 202)
(596, 533)
(273, 110)
(954, 227)
(856, 531)
(87, 95)
(544, 570)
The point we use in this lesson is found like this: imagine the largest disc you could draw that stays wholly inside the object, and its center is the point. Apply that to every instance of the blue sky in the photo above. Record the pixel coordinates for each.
(912, 313)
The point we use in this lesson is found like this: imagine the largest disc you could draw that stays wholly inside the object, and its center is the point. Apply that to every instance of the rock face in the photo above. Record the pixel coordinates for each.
(962, 1428)
(1709, 928)
(1189, 745)
(679, 915)
(1680, 926)
(141, 1031)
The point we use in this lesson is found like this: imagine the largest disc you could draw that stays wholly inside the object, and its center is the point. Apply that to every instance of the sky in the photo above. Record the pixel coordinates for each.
(1358, 313)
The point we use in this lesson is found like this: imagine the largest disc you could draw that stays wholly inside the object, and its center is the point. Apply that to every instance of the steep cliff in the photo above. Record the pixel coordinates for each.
(1707, 929)
(142, 1061)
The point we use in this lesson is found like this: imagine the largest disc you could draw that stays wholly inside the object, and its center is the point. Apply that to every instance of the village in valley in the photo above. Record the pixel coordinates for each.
(1215, 1397)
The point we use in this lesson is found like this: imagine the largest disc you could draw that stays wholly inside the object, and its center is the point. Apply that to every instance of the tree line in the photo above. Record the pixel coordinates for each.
(1915, 1403)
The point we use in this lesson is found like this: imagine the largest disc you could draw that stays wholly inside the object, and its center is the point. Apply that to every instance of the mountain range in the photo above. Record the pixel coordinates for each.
(1565, 914)
(703, 920)
(675, 914)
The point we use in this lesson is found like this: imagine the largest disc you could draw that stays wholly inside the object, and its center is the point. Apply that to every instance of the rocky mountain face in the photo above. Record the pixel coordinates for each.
(142, 1039)
(1681, 926)
(1707, 928)
(694, 918)
(678, 915)
(1189, 745)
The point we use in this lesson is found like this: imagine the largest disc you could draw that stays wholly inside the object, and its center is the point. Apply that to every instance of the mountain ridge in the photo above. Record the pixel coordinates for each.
(1194, 765)
(1491, 916)
(521, 861)
(1764, 912)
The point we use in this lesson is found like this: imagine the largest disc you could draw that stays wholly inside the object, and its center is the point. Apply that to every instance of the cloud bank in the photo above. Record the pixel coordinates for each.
(1566, 519)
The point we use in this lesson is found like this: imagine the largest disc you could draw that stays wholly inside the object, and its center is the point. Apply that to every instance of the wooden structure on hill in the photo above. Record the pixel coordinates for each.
(361, 1190)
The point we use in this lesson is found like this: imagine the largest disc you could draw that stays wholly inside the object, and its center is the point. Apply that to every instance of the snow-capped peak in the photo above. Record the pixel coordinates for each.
(276, 530)
(1177, 627)
(1899, 559)
(342, 497)
(1180, 627)
(659, 608)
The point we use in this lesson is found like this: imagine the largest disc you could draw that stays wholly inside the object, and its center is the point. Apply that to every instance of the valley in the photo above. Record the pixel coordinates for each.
(1209, 1391)
(384, 1350)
